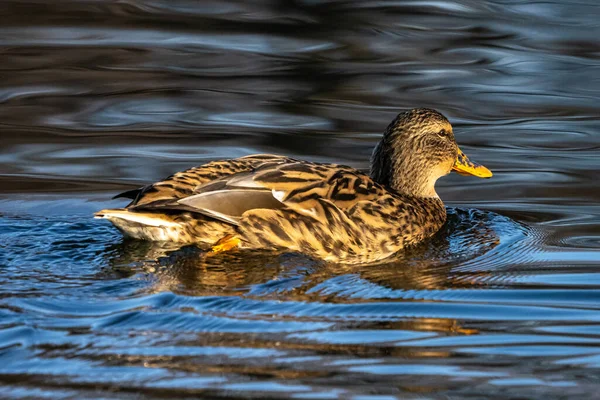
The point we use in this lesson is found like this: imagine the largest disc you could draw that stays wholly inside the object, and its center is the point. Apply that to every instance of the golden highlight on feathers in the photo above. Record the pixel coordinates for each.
(328, 211)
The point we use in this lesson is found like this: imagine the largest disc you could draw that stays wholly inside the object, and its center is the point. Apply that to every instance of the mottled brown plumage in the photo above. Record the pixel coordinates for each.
(329, 211)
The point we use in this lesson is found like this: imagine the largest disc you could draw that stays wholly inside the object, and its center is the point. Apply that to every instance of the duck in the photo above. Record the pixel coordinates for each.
(331, 212)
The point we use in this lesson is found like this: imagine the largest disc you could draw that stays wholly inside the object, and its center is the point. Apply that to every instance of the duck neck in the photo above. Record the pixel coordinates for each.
(401, 174)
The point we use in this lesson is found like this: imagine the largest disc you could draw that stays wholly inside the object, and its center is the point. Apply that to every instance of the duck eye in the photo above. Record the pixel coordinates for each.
(443, 133)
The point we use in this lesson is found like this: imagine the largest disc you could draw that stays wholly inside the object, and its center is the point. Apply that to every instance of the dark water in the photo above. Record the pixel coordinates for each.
(102, 96)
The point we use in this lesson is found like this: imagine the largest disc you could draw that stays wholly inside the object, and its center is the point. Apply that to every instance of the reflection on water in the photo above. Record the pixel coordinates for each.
(99, 97)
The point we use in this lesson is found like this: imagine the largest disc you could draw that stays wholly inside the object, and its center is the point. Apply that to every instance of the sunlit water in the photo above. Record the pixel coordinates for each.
(97, 97)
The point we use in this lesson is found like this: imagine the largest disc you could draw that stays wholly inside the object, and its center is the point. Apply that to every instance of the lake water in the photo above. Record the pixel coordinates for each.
(97, 97)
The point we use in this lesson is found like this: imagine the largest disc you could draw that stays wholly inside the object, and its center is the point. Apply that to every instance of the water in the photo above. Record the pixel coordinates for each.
(99, 97)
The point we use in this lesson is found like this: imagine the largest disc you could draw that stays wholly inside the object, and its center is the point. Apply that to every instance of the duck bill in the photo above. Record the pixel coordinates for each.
(464, 166)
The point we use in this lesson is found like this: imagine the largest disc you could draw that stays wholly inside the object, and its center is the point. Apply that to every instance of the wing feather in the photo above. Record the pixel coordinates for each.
(226, 190)
(185, 183)
(302, 184)
(228, 205)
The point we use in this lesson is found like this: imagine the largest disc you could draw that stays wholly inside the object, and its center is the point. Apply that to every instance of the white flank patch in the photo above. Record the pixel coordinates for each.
(278, 194)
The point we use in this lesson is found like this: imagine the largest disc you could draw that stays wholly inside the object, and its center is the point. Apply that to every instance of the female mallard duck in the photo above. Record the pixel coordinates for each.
(328, 211)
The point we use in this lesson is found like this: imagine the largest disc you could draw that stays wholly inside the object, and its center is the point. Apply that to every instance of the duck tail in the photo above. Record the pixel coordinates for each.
(143, 225)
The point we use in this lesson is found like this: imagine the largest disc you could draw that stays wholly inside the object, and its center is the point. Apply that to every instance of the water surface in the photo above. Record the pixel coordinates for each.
(97, 97)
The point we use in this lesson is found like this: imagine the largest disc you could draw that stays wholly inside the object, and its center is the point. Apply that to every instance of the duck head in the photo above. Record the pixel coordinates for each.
(417, 149)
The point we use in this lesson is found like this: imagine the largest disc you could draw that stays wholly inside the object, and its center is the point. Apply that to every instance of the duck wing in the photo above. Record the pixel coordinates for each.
(306, 188)
(302, 185)
(183, 184)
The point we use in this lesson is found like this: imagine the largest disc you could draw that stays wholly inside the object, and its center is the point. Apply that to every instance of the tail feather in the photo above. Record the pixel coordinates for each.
(144, 225)
(130, 194)
(181, 227)
(134, 217)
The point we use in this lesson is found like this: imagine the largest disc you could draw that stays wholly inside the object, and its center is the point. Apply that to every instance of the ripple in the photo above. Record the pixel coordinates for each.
(77, 36)
(412, 369)
(360, 336)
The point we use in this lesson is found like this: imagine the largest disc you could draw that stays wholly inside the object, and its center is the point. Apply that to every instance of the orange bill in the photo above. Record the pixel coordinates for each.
(464, 166)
